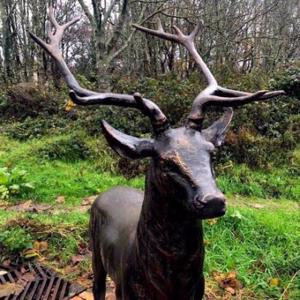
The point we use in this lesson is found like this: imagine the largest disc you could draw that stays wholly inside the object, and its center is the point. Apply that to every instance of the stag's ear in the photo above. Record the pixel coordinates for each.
(217, 131)
(125, 145)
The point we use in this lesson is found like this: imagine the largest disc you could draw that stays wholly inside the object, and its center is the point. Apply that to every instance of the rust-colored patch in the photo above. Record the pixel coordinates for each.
(174, 157)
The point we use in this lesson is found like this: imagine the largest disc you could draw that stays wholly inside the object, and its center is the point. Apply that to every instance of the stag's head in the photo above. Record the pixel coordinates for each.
(181, 156)
(182, 162)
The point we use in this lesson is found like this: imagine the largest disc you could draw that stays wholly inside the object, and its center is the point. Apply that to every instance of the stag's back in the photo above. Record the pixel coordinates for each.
(114, 218)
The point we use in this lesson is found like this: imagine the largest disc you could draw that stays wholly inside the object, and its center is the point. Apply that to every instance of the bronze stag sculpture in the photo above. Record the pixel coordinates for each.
(151, 243)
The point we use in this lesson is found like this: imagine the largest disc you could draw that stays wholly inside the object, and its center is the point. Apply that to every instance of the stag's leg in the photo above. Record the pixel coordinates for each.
(200, 290)
(99, 284)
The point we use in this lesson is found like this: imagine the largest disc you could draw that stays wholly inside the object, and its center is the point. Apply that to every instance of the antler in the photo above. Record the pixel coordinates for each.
(82, 96)
(213, 94)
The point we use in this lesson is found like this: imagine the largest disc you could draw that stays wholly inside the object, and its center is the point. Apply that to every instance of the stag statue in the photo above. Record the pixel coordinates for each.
(151, 243)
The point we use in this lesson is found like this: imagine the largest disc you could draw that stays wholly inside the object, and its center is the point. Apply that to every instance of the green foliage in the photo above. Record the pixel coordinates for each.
(288, 80)
(36, 127)
(278, 183)
(67, 148)
(26, 99)
(15, 239)
(13, 182)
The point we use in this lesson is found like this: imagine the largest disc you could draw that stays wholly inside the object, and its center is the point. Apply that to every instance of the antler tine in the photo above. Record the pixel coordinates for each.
(213, 94)
(83, 96)
(186, 40)
(238, 98)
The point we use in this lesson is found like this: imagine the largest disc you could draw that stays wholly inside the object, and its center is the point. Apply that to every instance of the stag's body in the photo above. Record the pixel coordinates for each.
(152, 244)
(149, 247)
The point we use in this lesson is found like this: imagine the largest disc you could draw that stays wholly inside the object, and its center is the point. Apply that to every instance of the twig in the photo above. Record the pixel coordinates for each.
(287, 287)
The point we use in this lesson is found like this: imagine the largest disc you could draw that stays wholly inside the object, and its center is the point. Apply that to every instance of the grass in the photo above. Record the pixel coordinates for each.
(259, 238)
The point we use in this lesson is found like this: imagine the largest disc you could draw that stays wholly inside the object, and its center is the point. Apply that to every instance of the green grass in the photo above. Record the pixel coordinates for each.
(77, 178)
(51, 178)
(258, 243)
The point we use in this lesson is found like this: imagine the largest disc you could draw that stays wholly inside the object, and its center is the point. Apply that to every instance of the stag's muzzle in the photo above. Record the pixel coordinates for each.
(211, 205)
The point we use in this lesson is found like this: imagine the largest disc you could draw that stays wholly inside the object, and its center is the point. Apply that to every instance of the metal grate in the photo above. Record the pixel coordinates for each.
(38, 283)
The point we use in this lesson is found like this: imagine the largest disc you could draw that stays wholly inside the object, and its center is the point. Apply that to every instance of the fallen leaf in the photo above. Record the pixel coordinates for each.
(43, 246)
(110, 296)
(206, 242)
(40, 246)
(228, 281)
(6, 263)
(2, 272)
(274, 282)
(29, 206)
(77, 259)
(86, 296)
(230, 290)
(70, 105)
(257, 205)
(60, 199)
(28, 277)
(25, 206)
(30, 253)
(89, 200)
(8, 289)
(212, 221)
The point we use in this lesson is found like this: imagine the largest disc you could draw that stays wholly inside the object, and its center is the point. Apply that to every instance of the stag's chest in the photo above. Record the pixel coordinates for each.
(164, 277)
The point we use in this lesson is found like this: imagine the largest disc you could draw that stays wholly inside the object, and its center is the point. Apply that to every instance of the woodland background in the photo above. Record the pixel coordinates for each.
(52, 152)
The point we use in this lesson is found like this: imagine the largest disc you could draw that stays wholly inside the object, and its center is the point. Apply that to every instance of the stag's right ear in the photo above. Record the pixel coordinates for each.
(125, 145)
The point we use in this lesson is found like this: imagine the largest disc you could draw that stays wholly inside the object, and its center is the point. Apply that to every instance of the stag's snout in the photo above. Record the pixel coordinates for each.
(211, 205)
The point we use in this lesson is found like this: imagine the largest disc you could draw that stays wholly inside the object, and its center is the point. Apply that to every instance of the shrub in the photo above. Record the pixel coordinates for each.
(13, 183)
(66, 148)
(16, 240)
(288, 80)
(29, 100)
(36, 127)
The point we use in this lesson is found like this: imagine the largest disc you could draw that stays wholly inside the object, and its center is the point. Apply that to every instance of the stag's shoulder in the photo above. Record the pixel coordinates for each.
(121, 205)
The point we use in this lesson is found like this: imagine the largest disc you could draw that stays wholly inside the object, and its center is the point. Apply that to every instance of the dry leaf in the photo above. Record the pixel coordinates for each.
(206, 242)
(70, 105)
(274, 282)
(110, 296)
(30, 253)
(8, 289)
(212, 221)
(86, 296)
(230, 290)
(3, 272)
(228, 281)
(28, 277)
(40, 246)
(29, 206)
(89, 200)
(77, 259)
(25, 206)
(257, 205)
(60, 199)
(6, 263)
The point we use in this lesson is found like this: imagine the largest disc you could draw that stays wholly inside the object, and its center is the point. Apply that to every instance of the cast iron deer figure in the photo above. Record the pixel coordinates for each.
(151, 243)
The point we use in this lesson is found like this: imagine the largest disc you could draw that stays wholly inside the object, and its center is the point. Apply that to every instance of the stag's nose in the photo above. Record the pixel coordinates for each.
(214, 205)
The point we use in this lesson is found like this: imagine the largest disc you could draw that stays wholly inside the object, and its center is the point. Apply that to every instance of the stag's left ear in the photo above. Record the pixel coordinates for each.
(125, 145)
(217, 131)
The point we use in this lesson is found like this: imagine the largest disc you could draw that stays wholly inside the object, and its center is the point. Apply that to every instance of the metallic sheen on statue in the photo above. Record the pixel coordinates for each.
(151, 243)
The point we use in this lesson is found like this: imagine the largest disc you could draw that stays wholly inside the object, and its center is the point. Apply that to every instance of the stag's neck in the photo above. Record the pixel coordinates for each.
(169, 242)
